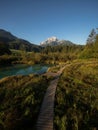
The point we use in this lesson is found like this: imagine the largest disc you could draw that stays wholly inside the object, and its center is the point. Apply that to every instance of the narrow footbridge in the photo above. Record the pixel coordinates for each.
(45, 119)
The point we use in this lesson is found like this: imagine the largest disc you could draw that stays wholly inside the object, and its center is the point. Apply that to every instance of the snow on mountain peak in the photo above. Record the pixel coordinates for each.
(49, 40)
(52, 39)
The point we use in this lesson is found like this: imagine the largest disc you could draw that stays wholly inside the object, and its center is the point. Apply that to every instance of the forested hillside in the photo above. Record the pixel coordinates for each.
(16, 43)
(4, 48)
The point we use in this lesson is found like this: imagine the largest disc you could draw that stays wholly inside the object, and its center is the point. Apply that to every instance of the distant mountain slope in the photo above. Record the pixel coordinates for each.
(6, 36)
(21, 44)
(53, 41)
(15, 43)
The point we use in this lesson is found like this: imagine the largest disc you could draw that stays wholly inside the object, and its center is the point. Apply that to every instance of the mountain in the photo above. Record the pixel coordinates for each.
(53, 41)
(21, 44)
(16, 43)
(6, 36)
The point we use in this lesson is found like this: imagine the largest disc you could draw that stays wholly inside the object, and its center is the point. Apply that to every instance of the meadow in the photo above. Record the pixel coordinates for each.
(20, 101)
(76, 100)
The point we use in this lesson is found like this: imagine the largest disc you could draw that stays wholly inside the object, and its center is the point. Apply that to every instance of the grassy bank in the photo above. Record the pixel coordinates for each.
(76, 101)
(20, 101)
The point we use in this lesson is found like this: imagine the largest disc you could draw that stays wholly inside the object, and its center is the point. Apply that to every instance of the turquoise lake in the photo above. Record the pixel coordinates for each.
(22, 70)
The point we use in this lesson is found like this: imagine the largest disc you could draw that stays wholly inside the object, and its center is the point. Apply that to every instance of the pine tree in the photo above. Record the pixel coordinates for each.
(91, 37)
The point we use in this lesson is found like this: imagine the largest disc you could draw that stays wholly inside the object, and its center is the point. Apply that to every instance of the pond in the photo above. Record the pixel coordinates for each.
(22, 70)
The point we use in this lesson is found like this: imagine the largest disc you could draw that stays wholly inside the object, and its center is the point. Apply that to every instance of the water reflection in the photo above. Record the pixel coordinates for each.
(22, 70)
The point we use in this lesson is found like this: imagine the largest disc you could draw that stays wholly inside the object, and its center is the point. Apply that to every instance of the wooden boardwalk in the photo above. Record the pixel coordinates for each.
(45, 119)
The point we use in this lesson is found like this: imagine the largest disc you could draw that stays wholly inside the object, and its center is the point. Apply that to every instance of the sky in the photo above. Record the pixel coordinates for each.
(37, 20)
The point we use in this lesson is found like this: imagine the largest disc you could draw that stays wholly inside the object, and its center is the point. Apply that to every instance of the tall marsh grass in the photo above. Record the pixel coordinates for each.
(20, 101)
(76, 101)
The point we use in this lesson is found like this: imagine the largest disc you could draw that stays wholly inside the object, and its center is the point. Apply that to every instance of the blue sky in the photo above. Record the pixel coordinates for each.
(36, 20)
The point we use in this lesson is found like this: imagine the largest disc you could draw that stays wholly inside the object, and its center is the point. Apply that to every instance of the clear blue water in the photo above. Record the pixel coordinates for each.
(22, 70)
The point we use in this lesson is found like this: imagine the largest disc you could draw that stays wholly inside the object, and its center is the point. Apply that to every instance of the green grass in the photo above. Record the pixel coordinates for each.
(20, 101)
(54, 69)
(76, 102)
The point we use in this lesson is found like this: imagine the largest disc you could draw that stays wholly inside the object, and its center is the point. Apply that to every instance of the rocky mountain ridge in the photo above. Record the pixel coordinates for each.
(54, 41)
